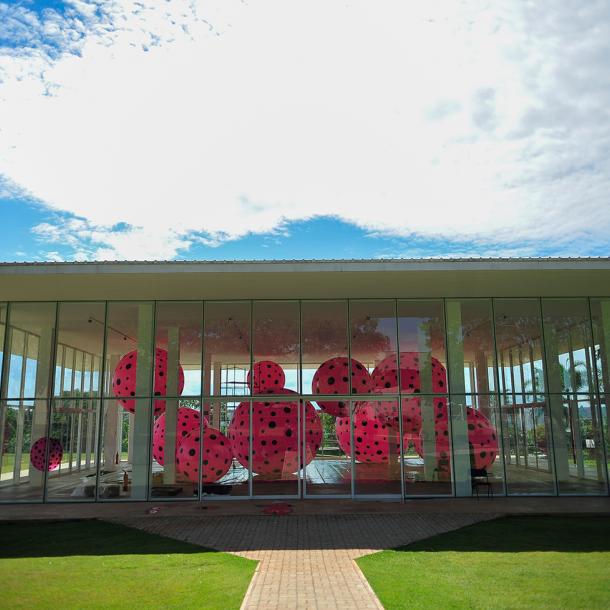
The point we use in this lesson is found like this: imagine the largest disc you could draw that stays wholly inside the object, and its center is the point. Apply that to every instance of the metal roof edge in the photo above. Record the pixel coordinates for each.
(321, 265)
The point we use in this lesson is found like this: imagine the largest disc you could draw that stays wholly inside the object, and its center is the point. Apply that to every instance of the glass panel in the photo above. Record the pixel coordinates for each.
(330, 472)
(605, 426)
(373, 344)
(72, 469)
(3, 308)
(600, 317)
(30, 349)
(223, 474)
(125, 450)
(568, 345)
(421, 330)
(178, 334)
(226, 348)
(129, 353)
(519, 345)
(175, 450)
(25, 446)
(527, 446)
(376, 448)
(275, 445)
(580, 462)
(80, 343)
(275, 342)
(471, 346)
(426, 446)
(475, 430)
(325, 343)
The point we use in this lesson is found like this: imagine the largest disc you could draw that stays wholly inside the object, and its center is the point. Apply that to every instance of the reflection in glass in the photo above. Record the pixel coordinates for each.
(177, 429)
(583, 471)
(476, 435)
(275, 339)
(25, 448)
(471, 346)
(376, 447)
(178, 332)
(373, 329)
(421, 330)
(74, 424)
(129, 352)
(527, 445)
(600, 318)
(78, 356)
(324, 336)
(223, 474)
(519, 348)
(427, 446)
(330, 472)
(124, 462)
(3, 308)
(30, 348)
(226, 348)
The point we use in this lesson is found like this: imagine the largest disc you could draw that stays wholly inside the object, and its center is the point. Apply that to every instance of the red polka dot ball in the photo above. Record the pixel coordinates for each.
(38, 453)
(332, 377)
(124, 380)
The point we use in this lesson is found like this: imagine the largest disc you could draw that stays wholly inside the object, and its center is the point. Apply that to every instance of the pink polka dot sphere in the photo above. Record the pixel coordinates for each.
(332, 377)
(373, 440)
(187, 420)
(385, 380)
(268, 377)
(275, 432)
(217, 456)
(124, 380)
(38, 453)
(483, 439)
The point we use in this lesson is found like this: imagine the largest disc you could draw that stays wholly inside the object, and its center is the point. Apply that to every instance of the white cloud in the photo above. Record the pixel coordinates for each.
(193, 121)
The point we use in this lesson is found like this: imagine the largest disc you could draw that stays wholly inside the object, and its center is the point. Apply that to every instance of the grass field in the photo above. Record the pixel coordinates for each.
(518, 563)
(92, 564)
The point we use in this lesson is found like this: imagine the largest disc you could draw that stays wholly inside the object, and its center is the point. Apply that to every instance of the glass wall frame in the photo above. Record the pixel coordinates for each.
(514, 398)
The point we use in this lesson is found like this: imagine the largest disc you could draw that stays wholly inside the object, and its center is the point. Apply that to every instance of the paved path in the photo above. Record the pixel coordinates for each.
(306, 561)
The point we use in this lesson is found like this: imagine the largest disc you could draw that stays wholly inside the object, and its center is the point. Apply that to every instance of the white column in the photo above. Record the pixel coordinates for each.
(171, 408)
(111, 415)
(140, 464)
(459, 424)
(41, 405)
(427, 403)
(555, 374)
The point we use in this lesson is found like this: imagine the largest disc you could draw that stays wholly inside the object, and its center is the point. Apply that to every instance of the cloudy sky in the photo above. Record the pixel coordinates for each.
(223, 129)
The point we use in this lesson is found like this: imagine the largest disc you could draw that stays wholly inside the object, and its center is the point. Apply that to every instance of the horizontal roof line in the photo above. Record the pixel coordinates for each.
(308, 266)
(315, 261)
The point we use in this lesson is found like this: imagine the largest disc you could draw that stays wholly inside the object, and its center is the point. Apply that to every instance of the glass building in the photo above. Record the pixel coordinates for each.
(313, 379)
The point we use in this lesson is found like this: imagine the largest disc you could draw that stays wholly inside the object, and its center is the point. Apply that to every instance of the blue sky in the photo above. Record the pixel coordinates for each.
(291, 129)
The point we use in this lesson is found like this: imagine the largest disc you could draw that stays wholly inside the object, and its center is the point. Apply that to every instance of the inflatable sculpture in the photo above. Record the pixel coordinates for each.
(38, 453)
(376, 423)
(275, 427)
(217, 455)
(124, 380)
(269, 377)
(186, 421)
(332, 377)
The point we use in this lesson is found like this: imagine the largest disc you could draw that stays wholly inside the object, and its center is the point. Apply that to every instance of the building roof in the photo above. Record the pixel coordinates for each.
(438, 263)
(303, 279)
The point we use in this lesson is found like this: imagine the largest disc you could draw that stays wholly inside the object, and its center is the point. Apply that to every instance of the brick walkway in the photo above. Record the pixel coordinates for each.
(306, 561)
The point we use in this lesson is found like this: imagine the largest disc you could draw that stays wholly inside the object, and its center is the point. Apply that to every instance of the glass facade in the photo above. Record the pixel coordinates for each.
(364, 398)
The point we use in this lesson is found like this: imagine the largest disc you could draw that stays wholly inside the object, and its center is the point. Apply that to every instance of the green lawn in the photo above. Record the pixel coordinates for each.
(92, 564)
(517, 563)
